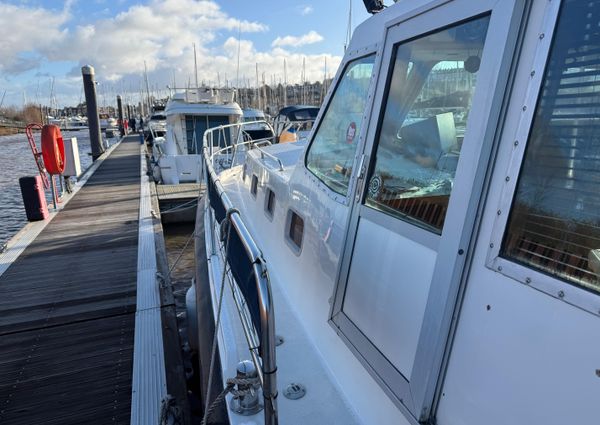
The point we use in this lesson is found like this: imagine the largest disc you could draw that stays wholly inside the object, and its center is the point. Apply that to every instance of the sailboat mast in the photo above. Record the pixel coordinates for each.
(257, 89)
(147, 88)
(237, 71)
(195, 66)
(284, 83)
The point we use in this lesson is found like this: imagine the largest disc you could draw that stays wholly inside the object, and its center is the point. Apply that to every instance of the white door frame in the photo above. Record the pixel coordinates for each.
(414, 394)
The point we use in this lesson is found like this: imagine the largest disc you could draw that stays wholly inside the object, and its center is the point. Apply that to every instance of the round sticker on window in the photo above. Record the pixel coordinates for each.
(375, 186)
(351, 132)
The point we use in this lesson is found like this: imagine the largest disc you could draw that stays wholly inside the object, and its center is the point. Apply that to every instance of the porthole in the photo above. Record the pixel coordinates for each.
(296, 230)
(270, 203)
(254, 185)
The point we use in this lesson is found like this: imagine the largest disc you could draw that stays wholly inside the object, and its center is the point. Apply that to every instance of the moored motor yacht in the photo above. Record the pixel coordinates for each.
(188, 114)
(431, 254)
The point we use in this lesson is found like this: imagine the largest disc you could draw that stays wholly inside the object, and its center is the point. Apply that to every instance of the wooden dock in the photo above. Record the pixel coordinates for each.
(68, 317)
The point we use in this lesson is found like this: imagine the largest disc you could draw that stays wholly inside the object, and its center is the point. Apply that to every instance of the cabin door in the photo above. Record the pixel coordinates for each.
(409, 230)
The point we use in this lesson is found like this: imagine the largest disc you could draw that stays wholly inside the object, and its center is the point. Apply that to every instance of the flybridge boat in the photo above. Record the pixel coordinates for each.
(432, 253)
(188, 114)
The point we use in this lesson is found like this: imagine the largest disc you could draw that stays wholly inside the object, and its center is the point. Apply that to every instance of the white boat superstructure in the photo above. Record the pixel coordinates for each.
(70, 123)
(433, 248)
(188, 114)
(107, 122)
(157, 125)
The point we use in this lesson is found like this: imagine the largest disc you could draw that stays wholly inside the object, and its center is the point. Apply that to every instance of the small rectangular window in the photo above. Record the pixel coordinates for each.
(554, 223)
(270, 203)
(296, 229)
(244, 172)
(254, 185)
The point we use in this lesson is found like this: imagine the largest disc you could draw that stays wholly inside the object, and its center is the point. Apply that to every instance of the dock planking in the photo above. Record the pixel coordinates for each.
(67, 306)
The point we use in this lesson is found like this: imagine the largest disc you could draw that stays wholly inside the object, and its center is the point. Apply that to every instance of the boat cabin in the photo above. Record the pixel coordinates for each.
(433, 249)
(188, 114)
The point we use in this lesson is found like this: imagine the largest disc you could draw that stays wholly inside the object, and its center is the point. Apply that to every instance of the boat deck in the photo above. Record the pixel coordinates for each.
(68, 306)
(169, 192)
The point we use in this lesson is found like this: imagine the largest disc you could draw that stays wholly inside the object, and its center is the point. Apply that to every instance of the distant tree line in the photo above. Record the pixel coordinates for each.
(29, 113)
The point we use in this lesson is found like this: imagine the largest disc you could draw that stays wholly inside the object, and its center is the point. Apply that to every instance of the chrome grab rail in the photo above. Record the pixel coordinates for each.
(263, 153)
(267, 369)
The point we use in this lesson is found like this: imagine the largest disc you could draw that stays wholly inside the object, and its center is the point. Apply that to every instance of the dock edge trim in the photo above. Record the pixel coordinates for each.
(149, 385)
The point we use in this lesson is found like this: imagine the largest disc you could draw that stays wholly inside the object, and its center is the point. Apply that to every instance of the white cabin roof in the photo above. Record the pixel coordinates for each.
(178, 107)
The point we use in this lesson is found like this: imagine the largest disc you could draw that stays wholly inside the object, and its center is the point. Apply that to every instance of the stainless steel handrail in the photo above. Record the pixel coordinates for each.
(209, 132)
(256, 143)
(263, 153)
(267, 370)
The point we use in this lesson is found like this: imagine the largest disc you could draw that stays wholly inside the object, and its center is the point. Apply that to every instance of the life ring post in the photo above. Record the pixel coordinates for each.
(53, 156)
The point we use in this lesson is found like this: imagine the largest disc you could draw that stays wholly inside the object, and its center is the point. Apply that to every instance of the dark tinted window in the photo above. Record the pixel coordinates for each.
(296, 229)
(304, 114)
(270, 205)
(254, 185)
(554, 224)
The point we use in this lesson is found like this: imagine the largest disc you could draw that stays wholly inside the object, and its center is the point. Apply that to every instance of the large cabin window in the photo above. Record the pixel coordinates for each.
(420, 137)
(554, 225)
(196, 125)
(332, 151)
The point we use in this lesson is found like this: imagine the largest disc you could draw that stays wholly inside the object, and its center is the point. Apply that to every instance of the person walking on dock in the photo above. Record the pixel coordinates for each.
(132, 124)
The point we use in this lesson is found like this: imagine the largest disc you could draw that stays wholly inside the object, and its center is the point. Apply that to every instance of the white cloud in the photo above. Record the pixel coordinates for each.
(306, 10)
(160, 34)
(24, 30)
(290, 40)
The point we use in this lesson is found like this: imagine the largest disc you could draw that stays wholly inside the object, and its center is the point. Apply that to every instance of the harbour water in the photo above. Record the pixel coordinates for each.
(18, 162)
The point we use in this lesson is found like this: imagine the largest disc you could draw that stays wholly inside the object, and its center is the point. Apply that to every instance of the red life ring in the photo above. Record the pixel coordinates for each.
(53, 149)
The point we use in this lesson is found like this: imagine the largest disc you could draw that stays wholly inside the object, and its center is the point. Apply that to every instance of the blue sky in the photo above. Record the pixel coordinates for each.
(43, 41)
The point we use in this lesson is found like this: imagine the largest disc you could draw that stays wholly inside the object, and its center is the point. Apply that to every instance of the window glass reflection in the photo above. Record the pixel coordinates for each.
(424, 123)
